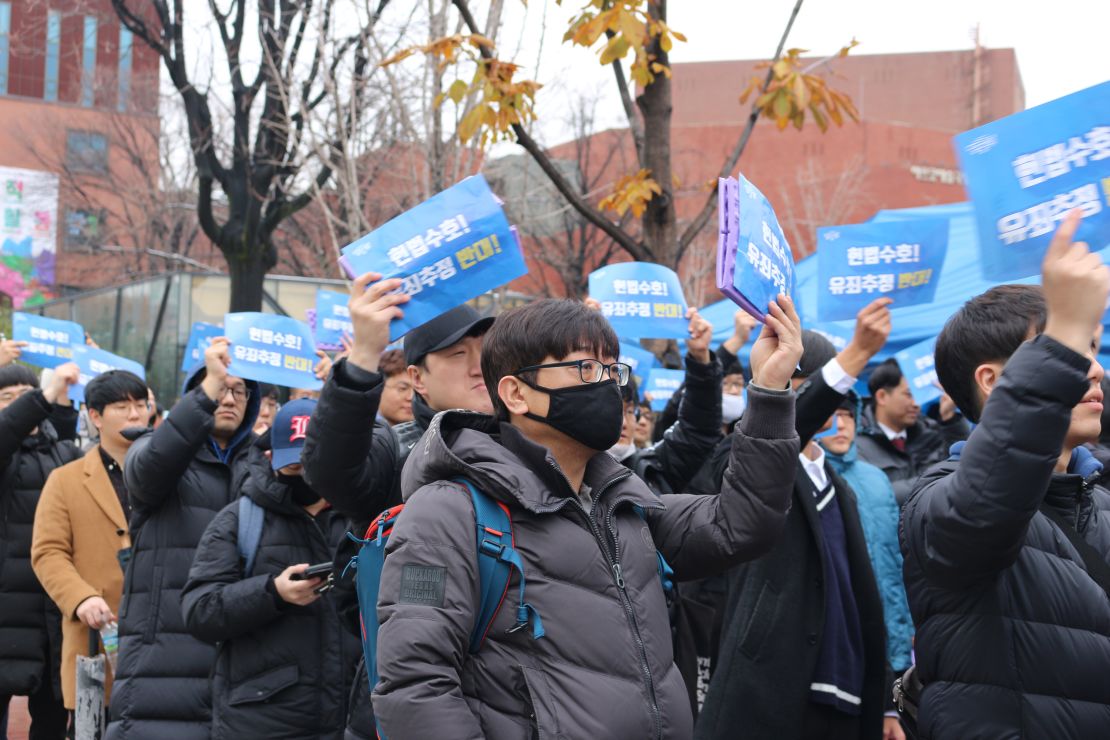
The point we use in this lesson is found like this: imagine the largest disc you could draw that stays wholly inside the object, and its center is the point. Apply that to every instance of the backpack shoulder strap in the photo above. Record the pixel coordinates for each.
(1097, 568)
(497, 558)
(666, 573)
(251, 516)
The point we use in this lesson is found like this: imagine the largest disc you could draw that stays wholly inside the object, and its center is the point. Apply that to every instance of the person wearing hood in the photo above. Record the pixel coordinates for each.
(31, 448)
(178, 477)
(285, 661)
(585, 650)
(1006, 544)
(878, 514)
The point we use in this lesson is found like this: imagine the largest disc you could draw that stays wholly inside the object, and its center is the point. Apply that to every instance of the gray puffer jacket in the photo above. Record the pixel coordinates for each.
(604, 668)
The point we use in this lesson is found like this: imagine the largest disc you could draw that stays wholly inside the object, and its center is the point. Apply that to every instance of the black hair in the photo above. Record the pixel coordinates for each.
(547, 328)
(988, 328)
(629, 392)
(817, 350)
(112, 387)
(18, 375)
(887, 375)
(266, 390)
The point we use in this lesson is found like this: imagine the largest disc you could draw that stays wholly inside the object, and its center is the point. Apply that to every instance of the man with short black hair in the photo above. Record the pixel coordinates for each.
(81, 523)
(32, 445)
(1006, 543)
(586, 530)
(896, 438)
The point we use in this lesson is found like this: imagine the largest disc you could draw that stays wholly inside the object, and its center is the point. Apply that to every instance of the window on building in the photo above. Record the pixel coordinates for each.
(87, 151)
(88, 62)
(83, 228)
(5, 44)
(124, 72)
(53, 49)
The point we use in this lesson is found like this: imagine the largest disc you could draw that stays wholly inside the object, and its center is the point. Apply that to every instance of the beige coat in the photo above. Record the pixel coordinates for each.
(79, 529)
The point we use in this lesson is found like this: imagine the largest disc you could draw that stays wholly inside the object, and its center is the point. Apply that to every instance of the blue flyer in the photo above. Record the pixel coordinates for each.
(93, 362)
(638, 358)
(271, 349)
(764, 263)
(198, 342)
(920, 370)
(662, 384)
(641, 300)
(452, 247)
(333, 319)
(50, 342)
(1026, 171)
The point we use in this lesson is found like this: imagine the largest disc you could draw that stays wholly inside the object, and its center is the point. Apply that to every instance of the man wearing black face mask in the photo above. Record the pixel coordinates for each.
(286, 663)
(583, 648)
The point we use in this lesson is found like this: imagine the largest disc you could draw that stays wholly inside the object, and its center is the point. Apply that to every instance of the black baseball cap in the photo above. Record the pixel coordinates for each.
(443, 331)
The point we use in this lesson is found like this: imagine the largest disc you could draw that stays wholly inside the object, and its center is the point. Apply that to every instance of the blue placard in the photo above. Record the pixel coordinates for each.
(449, 249)
(836, 335)
(641, 300)
(639, 359)
(93, 362)
(1024, 173)
(764, 262)
(858, 263)
(333, 319)
(920, 370)
(831, 431)
(271, 349)
(49, 341)
(662, 384)
(198, 342)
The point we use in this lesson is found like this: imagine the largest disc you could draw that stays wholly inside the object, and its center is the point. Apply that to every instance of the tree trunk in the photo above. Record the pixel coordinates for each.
(659, 220)
(247, 273)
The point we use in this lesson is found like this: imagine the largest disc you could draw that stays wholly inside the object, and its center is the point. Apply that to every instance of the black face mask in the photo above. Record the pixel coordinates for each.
(301, 492)
(592, 413)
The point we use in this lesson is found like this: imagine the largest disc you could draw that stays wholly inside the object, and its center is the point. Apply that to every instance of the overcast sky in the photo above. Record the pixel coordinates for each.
(1061, 45)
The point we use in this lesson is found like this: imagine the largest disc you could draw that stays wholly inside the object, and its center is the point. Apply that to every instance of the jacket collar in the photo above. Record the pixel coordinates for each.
(422, 413)
(100, 487)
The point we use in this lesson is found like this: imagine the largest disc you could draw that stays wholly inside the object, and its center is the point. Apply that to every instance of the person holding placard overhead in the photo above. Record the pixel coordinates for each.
(30, 449)
(1007, 543)
(178, 477)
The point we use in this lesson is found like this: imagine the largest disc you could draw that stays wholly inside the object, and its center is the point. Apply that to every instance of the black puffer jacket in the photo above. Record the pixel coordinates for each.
(283, 671)
(178, 480)
(30, 626)
(1013, 635)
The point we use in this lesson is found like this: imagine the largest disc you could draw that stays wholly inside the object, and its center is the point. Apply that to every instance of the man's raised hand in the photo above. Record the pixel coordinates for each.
(373, 306)
(778, 349)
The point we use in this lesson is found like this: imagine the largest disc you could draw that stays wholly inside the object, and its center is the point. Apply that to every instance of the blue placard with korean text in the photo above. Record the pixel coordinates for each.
(861, 262)
(641, 300)
(920, 371)
(764, 263)
(452, 247)
(197, 343)
(271, 349)
(49, 341)
(662, 384)
(93, 362)
(333, 319)
(638, 358)
(1025, 172)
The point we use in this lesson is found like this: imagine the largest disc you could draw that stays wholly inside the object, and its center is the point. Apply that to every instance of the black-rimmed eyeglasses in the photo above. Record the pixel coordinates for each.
(590, 371)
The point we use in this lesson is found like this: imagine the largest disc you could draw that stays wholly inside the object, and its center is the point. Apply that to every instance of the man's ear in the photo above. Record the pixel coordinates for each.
(513, 394)
(95, 418)
(881, 396)
(416, 377)
(986, 378)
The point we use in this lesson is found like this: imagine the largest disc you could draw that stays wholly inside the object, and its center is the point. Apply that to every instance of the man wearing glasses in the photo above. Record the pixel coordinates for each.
(592, 657)
(178, 477)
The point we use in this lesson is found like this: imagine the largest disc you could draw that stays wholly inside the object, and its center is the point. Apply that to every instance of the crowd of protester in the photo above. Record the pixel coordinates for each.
(836, 557)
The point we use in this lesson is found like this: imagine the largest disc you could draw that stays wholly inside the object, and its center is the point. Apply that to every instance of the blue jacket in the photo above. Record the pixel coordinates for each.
(878, 513)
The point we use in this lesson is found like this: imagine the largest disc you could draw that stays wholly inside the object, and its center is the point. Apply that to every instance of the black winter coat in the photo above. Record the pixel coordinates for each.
(177, 482)
(283, 671)
(30, 626)
(774, 619)
(1013, 635)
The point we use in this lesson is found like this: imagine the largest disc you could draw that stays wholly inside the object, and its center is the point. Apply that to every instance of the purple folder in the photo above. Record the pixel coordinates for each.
(728, 225)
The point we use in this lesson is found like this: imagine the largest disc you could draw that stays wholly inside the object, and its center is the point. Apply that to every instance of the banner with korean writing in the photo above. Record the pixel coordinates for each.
(763, 265)
(49, 341)
(93, 362)
(861, 262)
(920, 370)
(661, 385)
(1025, 172)
(638, 358)
(333, 319)
(271, 349)
(641, 300)
(197, 343)
(452, 247)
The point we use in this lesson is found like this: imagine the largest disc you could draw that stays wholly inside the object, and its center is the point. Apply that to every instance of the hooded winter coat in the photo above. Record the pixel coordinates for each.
(878, 514)
(604, 667)
(1013, 634)
(178, 478)
(30, 625)
(283, 671)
